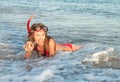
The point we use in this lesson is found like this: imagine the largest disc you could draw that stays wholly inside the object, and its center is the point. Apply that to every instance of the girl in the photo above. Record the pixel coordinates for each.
(43, 44)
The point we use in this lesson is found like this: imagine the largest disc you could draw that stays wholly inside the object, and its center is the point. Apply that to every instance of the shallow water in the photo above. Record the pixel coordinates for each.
(91, 23)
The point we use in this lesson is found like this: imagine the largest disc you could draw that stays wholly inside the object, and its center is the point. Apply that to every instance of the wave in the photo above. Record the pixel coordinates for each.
(103, 59)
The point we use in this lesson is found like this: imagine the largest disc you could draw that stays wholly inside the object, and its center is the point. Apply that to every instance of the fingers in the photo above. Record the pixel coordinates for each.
(29, 46)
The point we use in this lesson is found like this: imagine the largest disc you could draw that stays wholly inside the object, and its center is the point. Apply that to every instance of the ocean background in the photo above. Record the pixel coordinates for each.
(94, 24)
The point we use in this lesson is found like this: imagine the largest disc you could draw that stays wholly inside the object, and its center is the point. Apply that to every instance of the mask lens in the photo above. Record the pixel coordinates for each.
(45, 28)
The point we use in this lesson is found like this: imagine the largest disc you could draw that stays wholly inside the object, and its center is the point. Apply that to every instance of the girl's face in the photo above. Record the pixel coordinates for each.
(39, 36)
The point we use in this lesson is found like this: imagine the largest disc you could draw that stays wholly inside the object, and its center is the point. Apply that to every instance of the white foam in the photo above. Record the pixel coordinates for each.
(99, 56)
(7, 77)
(45, 75)
(89, 77)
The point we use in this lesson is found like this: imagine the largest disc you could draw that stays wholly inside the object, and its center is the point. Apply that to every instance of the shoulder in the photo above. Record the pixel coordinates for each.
(51, 40)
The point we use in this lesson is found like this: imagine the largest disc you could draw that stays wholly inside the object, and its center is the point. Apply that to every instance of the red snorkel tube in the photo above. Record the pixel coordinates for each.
(28, 25)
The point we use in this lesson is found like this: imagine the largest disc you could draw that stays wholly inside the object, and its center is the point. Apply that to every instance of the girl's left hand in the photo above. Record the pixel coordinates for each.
(29, 46)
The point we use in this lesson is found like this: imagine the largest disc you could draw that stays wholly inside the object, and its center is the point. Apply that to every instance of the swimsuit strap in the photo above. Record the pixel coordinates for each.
(47, 53)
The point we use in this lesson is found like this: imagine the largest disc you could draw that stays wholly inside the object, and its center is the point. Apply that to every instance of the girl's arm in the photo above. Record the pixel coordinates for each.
(27, 55)
(52, 47)
(28, 47)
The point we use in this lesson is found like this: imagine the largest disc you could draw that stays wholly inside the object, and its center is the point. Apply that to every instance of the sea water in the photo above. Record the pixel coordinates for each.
(94, 24)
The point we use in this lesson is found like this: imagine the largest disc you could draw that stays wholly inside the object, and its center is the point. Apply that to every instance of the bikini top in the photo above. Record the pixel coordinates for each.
(46, 53)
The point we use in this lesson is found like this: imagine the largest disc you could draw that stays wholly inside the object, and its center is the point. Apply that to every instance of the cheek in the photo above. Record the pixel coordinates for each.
(42, 37)
(36, 37)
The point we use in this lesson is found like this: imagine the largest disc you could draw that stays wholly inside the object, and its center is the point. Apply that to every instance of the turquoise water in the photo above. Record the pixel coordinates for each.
(91, 23)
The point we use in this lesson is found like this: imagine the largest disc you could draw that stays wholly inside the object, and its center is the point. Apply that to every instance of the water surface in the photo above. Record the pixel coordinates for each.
(91, 23)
